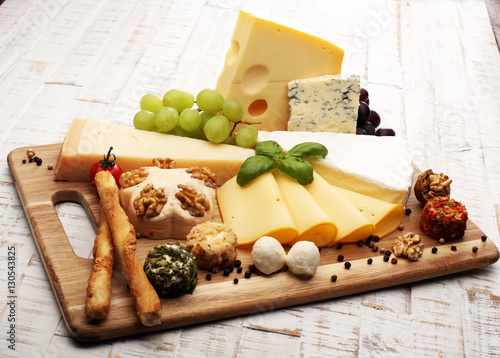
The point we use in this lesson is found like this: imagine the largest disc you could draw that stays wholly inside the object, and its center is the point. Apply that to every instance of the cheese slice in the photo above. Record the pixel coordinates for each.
(88, 140)
(255, 210)
(312, 222)
(384, 215)
(352, 225)
(380, 167)
(265, 54)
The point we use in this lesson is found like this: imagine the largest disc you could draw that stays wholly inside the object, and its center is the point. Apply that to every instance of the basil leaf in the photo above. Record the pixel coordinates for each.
(252, 167)
(308, 150)
(297, 168)
(269, 149)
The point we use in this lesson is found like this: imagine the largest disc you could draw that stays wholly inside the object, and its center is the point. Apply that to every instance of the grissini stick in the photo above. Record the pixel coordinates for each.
(147, 302)
(99, 283)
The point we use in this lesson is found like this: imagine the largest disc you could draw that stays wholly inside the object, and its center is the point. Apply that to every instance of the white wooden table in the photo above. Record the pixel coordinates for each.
(433, 73)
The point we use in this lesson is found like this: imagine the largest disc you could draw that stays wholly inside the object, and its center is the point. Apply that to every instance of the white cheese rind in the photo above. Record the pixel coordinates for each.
(324, 104)
(380, 167)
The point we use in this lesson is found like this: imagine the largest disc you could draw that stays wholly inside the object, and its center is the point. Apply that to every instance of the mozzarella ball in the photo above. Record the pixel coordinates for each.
(303, 258)
(268, 255)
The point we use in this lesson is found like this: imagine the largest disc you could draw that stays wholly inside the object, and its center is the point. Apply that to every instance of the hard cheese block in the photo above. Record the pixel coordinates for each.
(88, 140)
(255, 210)
(312, 222)
(380, 167)
(384, 215)
(265, 54)
(352, 225)
(324, 104)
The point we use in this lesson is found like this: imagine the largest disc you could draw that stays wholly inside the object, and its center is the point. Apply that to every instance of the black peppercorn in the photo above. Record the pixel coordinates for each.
(407, 211)
(248, 274)
(339, 246)
(484, 238)
(334, 278)
(340, 258)
(208, 277)
(369, 261)
(239, 269)
(474, 249)
(235, 281)
(376, 238)
(453, 248)
(368, 240)
(226, 272)
(386, 258)
(360, 243)
(237, 263)
(434, 250)
(347, 265)
(253, 269)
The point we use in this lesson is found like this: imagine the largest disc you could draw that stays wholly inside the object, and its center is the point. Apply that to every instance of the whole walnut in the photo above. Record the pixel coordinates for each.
(430, 185)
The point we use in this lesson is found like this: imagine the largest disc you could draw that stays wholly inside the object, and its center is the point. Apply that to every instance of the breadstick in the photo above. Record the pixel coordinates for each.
(99, 284)
(147, 302)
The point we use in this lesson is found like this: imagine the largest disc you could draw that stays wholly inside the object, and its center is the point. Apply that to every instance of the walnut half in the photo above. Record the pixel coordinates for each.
(408, 245)
(430, 185)
(133, 177)
(194, 202)
(150, 201)
(204, 174)
(164, 163)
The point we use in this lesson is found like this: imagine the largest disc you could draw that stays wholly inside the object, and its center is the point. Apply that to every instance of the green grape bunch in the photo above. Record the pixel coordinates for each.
(213, 118)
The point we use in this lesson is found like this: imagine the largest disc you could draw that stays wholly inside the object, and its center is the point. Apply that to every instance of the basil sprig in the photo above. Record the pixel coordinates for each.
(269, 155)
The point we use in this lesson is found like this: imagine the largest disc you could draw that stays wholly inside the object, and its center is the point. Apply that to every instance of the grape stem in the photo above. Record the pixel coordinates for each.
(242, 122)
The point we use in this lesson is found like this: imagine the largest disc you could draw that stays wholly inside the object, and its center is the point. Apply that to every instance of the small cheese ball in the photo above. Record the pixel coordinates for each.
(303, 258)
(268, 255)
(213, 244)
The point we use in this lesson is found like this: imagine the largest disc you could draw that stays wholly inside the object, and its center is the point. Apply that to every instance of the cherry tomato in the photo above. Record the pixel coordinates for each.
(106, 164)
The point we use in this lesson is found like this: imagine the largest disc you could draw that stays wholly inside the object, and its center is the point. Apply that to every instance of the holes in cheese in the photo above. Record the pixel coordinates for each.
(291, 52)
(352, 225)
(255, 210)
(312, 222)
(384, 215)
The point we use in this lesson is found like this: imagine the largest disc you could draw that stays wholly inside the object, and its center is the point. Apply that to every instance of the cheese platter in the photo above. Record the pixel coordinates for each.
(343, 270)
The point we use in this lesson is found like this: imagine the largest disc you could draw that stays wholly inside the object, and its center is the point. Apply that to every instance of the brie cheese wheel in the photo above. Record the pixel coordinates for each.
(380, 167)
(173, 221)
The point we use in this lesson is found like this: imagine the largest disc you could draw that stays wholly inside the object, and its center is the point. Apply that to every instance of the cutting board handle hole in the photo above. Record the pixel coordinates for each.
(71, 208)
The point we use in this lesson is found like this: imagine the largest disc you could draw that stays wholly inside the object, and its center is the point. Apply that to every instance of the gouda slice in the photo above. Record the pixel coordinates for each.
(312, 222)
(352, 225)
(255, 210)
(384, 215)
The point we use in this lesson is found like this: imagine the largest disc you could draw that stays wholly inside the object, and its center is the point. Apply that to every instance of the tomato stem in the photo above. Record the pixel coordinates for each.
(106, 162)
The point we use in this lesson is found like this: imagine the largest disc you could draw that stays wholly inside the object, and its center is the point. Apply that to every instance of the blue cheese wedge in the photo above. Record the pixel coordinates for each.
(324, 104)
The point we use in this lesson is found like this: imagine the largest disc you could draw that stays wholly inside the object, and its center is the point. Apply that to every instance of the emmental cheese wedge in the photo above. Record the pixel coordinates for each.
(312, 222)
(255, 210)
(384, 215)
(352, 225)
(88, 140)
(265, 54)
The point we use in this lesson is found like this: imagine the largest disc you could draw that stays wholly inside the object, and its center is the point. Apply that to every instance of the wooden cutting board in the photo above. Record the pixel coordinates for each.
(220, 297)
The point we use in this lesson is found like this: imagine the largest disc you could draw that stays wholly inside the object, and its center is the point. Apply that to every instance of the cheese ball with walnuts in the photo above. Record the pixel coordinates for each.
(166, 203)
